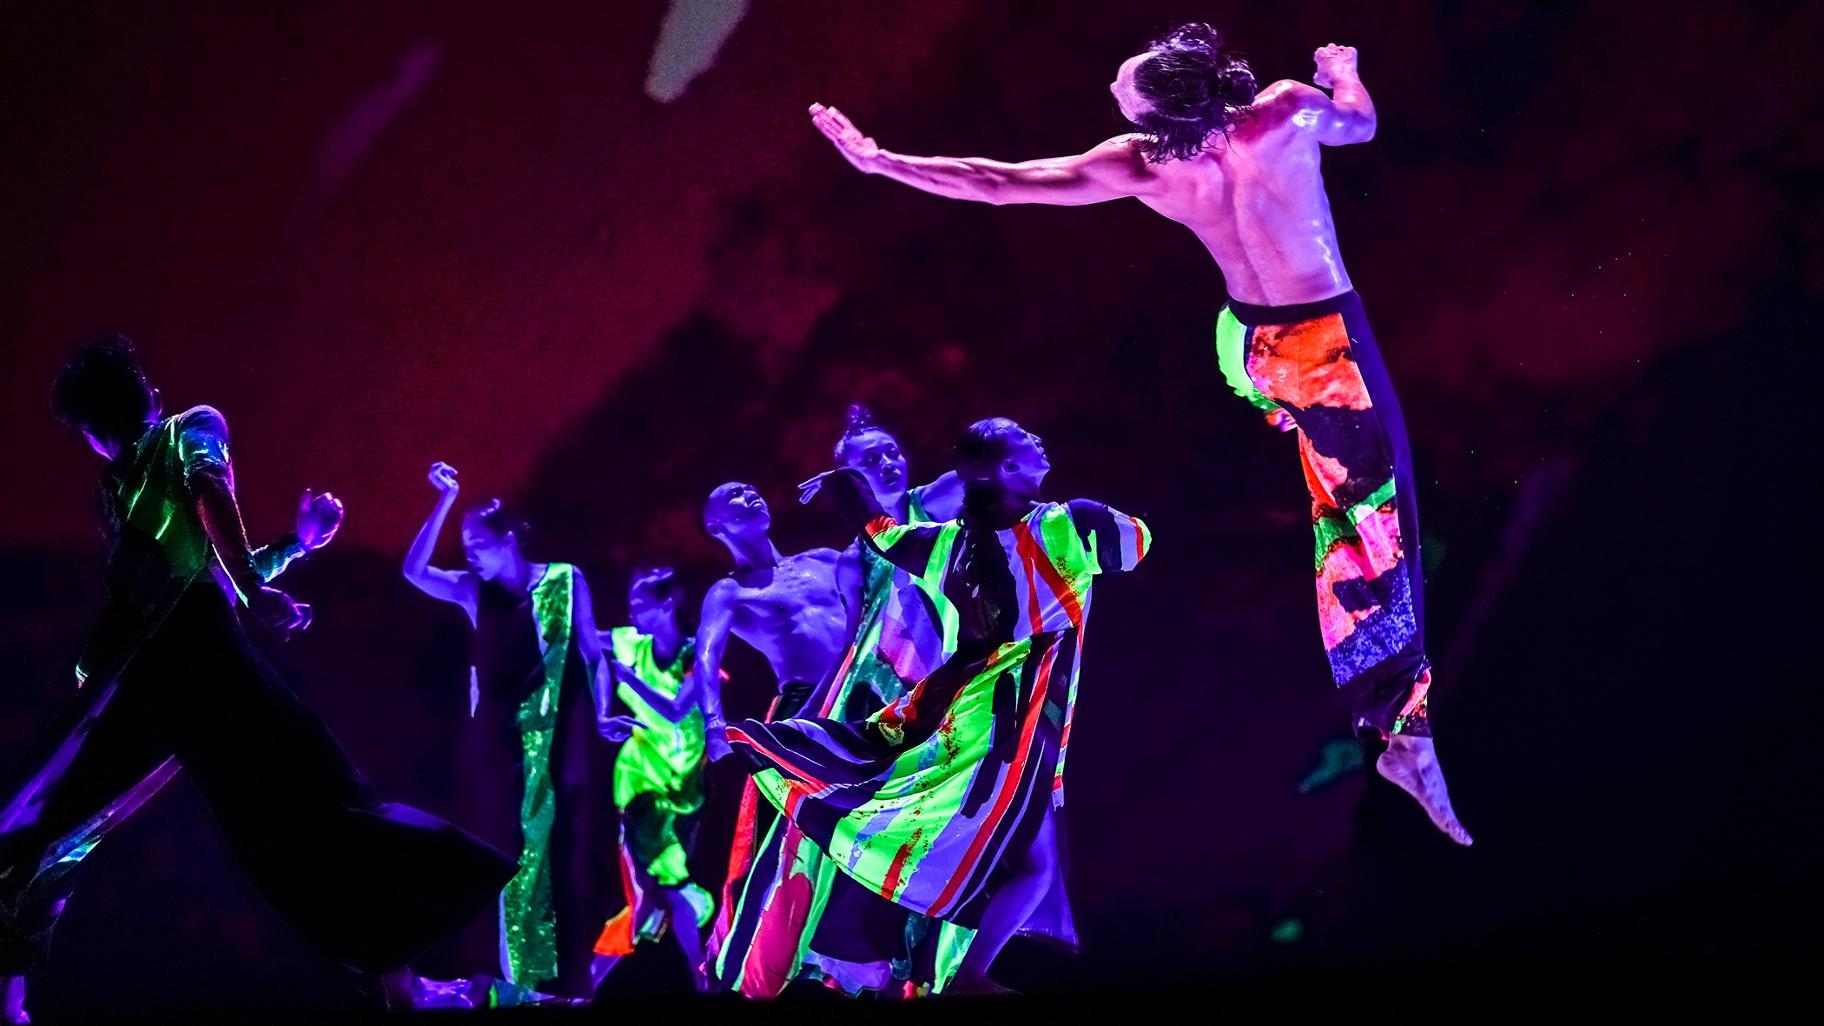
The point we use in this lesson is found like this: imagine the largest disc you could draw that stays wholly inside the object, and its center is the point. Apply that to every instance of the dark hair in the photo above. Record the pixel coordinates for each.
(661, 579)
(103, 390)
(984, 444)
(1195, 87)
(501, 519)
(859, 421)
(982, 448)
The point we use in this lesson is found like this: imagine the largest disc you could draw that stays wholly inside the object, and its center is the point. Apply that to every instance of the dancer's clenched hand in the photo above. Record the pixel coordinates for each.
(1332, 61)
(859, 150)
(275, 609)
(1282, 420)
(443, 478)
(319, 515)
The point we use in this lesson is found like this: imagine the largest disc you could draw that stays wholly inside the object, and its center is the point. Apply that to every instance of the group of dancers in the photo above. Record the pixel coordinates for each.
(902, 815)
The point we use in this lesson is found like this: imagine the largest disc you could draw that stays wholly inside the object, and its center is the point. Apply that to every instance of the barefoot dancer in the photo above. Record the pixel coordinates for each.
(1241, 170)
(170, 679)
(658, 777)
(944, 801)
(536, 655)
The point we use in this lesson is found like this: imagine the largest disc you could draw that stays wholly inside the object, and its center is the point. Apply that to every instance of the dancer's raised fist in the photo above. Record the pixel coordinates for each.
(443, 478)
(319, 515)
(1333, 60)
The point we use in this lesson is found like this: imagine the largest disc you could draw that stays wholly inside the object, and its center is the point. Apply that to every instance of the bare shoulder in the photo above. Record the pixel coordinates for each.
(1281, 102)
(721, 594)
(1124, 155)
(1288, 92)
(1127, 146)
(826, 556)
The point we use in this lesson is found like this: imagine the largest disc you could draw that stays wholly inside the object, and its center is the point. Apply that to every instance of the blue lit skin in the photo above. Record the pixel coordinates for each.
(491, 556)
(876, 455)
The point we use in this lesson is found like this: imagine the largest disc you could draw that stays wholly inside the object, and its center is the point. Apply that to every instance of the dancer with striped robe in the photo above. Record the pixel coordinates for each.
(946, 801)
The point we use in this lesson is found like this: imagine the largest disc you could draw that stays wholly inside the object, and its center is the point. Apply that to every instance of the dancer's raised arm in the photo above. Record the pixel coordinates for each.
(1346, 116)
(458, 586)
(1110, 170)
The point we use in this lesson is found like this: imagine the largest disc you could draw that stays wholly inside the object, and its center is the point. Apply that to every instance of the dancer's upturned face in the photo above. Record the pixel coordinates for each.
(490, 555)
(1127, 91)
(736, 509)
(877, 456)
(1024, 467)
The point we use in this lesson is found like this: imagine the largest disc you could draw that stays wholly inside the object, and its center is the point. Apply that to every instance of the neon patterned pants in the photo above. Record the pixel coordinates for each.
(1318, 362)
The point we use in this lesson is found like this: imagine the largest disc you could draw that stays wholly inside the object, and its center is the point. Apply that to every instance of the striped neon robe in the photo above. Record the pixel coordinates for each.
(926, 800)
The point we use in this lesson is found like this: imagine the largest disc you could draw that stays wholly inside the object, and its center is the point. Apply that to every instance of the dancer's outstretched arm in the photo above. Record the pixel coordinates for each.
(457, 586)
(1111, 170)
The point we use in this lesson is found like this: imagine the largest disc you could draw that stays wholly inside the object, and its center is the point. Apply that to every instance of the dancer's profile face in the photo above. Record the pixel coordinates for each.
(736, 509)
(490, 555)
(1127, 91)
(1025, 465)
(877, 456)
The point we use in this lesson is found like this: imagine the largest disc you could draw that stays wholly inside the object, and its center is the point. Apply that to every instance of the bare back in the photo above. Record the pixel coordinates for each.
(1256, 201)
(792, 614)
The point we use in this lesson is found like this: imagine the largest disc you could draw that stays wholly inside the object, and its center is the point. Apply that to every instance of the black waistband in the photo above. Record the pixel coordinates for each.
(1251, 315)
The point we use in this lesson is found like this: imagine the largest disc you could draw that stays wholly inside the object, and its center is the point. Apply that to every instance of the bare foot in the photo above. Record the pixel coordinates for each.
(1411, 764)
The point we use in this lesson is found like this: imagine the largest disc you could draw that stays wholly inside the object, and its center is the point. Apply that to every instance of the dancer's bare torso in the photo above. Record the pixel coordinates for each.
(791, 613)
(1256, 200)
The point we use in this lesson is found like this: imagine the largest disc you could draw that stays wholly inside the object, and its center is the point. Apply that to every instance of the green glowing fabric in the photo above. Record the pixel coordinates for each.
(664, 759)
(658, 780)
(903, 633)
(529, 917)
(922, 801)
(159, 545)
(1231, 357)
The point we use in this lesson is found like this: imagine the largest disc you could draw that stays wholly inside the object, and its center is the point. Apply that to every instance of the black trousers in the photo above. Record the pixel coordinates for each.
(367, 883)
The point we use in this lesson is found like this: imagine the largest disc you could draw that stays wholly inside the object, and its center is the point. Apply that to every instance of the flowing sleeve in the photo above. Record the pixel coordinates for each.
(1114, 541)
